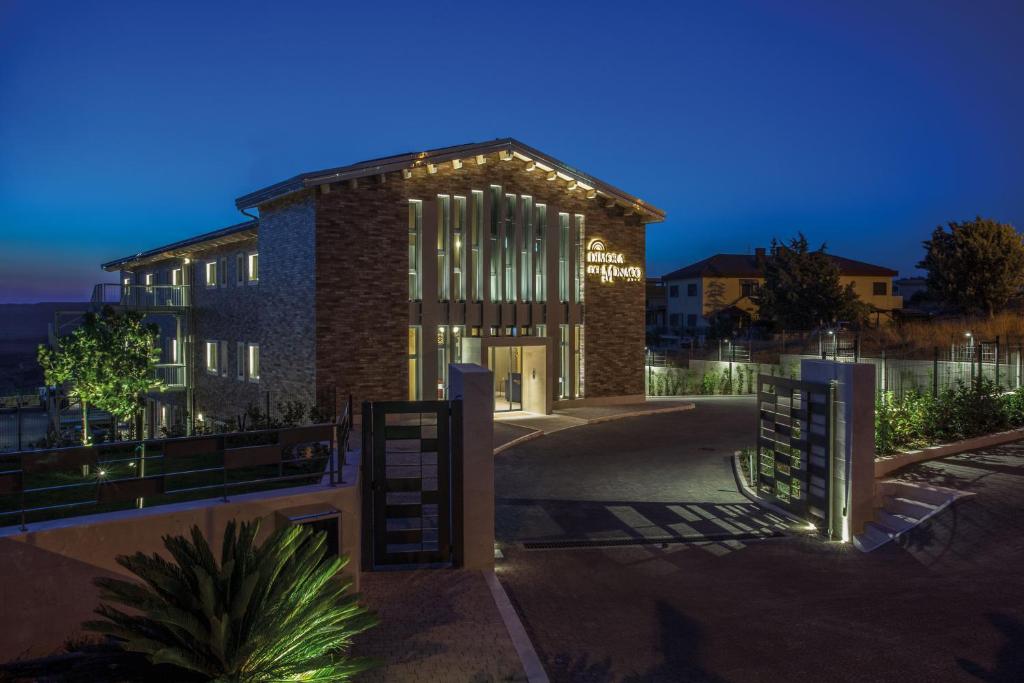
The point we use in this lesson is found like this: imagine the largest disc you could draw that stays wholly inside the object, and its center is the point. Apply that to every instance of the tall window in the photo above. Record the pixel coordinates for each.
(563, 257)
(577, 353)
(510, 247)
(413, 354)
(475, 235)
(176, 276)
(444, 227)
(565, 354)
(254, 362)
(212, 357)
(495, 220)
(540, 268)
(579, 257)
(239, 269)
(149, 282)
(443, 358)
(525, 248)
(211, 273)
(415, 233)
(240, 360)
(459, 249)
(222, 271)
(540, 330)
(254, 267)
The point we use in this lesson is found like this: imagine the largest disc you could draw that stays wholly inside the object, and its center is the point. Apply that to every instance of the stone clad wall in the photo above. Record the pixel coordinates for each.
(287, 299)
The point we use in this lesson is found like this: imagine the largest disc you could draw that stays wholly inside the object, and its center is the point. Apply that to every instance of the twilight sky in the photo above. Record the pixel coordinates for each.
(125, 125)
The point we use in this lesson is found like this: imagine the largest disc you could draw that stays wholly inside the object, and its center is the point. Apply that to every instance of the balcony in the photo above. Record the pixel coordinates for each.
(172, 375)
(142, 297)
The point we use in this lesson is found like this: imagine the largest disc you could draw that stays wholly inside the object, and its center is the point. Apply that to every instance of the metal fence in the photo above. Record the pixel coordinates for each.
(141, 296)
(66, 482)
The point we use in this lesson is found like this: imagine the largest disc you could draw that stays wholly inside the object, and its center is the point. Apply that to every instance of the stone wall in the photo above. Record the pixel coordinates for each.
(287, 299)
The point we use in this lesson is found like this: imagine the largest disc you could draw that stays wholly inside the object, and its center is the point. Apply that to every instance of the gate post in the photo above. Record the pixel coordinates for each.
(474, 386)
(852, 477)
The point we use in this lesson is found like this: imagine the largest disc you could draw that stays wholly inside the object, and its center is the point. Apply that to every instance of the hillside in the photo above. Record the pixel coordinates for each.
(22, 328)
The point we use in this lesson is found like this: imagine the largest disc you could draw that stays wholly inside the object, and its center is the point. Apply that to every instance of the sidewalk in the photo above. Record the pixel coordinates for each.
(435, 625)
(514, 428)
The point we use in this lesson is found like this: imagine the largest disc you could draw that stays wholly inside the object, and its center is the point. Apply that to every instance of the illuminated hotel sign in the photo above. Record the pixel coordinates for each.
(609, 265)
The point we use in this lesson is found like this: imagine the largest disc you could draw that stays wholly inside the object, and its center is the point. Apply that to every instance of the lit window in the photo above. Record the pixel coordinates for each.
(211, 273)
(254, 267)
(211, 357)
(540, 255)
(173, 350)
(444, 227)
(475, 230)
(415, 230)
(579, 257)
(509, 247)
(578, 359)
(458, 250)
(495, 224)
(176, 277)
(565, 354)
(525, 249)
(149, 283)
(413, 356)
(254, 362)
(563, 257)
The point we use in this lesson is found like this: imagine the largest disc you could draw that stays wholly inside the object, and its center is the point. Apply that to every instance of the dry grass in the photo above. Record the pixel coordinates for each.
(919, 338)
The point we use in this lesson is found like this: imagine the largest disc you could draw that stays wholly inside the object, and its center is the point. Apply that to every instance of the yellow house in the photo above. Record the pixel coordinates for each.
(723, 284)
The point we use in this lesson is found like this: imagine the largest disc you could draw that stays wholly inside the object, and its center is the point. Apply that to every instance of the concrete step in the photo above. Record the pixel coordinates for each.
(874, 536)
(894, 522)
(933, 495)
(901, 505)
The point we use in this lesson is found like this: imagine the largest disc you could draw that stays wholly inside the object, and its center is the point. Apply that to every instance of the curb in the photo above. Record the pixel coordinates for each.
(518, 440)
(516, 631)
(891, 463)
(737, 473)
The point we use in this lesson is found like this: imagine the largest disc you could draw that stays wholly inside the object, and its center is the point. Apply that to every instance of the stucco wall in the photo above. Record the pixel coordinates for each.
(46, 588)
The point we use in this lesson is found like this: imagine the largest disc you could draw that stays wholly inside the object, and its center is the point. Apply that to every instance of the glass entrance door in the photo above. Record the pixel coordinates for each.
(507, 365)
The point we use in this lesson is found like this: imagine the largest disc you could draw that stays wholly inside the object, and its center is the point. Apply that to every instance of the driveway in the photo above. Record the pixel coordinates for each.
(947, 604)
(664, 476)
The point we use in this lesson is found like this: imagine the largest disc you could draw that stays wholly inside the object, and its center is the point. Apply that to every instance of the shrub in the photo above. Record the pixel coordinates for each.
(708, 383)
(275, 611)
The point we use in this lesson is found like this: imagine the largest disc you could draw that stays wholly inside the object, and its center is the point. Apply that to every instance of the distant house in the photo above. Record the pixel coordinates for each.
(656, 315)
(726, 284)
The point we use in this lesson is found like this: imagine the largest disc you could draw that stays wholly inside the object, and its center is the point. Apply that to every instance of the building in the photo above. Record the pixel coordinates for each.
(369, 279)
(726, 284)
(909, 287)
(656, 316)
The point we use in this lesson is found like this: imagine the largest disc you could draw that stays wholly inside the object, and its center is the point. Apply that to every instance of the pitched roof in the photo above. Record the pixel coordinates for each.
(748, 265)
(232, 233)
(410, 160)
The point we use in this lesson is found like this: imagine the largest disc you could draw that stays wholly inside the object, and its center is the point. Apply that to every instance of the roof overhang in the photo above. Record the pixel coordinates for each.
(188, 247)
(511, 147)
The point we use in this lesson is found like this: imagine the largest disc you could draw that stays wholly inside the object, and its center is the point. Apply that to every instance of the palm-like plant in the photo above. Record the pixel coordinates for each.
(270, 612)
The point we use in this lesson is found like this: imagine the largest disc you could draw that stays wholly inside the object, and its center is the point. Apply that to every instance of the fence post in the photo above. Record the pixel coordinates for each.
(17, 417)
(997, 361)
(885, 373)
(935, 372)
(977, 353)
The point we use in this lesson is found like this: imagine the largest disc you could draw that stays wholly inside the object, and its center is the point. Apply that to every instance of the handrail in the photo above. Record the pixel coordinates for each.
(141, 296)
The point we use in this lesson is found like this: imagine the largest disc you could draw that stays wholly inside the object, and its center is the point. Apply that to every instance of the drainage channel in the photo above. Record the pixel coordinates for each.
(663, 541)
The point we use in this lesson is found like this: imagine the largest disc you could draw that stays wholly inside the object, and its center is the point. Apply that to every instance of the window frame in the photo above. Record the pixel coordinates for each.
(252, 369)
(252, 274)
(210, 275)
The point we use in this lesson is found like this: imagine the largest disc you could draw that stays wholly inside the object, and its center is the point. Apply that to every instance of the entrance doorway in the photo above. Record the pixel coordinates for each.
(506, 364)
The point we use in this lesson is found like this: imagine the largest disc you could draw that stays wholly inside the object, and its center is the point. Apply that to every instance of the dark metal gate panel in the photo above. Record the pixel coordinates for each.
(408, 468)
(793, 446)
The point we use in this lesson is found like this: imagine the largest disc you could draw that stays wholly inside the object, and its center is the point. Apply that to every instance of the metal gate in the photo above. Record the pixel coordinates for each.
(794, 446)
(412, 465)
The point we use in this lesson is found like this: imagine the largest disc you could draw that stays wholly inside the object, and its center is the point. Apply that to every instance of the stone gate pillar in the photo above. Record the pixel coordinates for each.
(474, 386)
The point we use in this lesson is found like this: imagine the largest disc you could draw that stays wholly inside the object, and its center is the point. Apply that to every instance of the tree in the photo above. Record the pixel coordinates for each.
(801, 288)
(107, 362)
(271, 612)
(976, 266)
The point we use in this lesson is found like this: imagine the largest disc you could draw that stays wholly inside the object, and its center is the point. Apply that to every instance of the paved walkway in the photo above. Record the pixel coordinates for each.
(436, 625)
(947, 605)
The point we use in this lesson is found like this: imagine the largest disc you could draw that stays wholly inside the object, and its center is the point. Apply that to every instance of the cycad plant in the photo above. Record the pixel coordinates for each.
(270, 612)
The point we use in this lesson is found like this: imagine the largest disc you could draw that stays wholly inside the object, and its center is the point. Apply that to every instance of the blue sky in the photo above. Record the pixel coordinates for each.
(865, 125)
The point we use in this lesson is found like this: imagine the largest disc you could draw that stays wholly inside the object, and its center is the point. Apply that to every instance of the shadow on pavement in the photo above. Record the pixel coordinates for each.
(1009, 666)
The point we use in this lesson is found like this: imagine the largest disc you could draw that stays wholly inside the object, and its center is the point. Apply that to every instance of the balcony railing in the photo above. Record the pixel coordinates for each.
(171, 374)
(141, 296)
